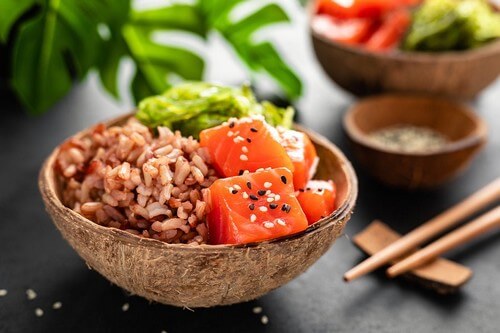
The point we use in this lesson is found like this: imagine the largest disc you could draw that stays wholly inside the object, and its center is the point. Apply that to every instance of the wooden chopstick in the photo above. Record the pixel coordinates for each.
(444, 221)
(471, 230)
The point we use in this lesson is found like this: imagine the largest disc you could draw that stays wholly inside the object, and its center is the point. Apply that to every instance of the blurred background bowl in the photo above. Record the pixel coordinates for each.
(460, 74)
(466, 131)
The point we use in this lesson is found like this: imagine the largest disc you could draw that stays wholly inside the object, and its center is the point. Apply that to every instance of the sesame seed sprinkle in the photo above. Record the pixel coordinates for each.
(280, 222)
(3, 292)
(56, 305)
(230, 133)
(249, 185)
(264, 320)
(257, 310)
(243, 157)
(263, 209)
(268, 225)
(125, 307)
(231, 124)
(31, 294)
(253, 129)
(253, 218)
(268, 192)
(261, 192)
(249, 140)
(270, 199)
(277, 197)
(234, 191)
(236, 186)
(251, 206)
(245, 195)
(240, 173)
(38, 312)
(268, 184)
(231, 189)
(244, 149)
(273, 206)
(283, 179)
(253, 197)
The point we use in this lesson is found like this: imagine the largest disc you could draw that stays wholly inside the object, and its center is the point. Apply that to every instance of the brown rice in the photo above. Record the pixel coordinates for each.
(128, 178)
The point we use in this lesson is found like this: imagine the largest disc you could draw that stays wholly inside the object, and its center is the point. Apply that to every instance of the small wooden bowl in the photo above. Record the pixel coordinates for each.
(465, 130)
(205, 275)
(454, 74)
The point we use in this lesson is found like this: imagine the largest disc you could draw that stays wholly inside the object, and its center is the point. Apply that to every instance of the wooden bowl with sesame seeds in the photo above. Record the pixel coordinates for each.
(204, 275)
(464, 131)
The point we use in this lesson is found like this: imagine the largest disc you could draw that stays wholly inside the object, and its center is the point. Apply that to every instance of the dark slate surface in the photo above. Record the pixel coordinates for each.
(33, 254)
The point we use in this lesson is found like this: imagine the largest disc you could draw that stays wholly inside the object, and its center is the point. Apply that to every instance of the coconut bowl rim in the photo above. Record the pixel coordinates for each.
(477, 137)
(46, 184)
(488, 49)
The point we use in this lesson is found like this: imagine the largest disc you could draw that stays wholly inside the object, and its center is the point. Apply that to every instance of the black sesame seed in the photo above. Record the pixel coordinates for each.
(231, 124)
(249, 185)
(320, 190)
(253, 197)
(322, 217)
(286, 208)
(253, 129)
(234, 191)
(241, 172)
(283, 179)
(273, 206)
(283, 208)
(301, 190)
(251, 206)
(249, 140)
(308, 189)
(261, 192)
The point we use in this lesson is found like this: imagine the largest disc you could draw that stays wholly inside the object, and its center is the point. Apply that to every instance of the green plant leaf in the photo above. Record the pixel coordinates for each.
(176, 17)
(262, 56)
(50, 50)
(156, 62)
(10, 11)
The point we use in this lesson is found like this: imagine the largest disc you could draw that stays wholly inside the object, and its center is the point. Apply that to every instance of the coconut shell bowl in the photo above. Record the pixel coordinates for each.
(465, 131)
(457, 74)
(204, 275)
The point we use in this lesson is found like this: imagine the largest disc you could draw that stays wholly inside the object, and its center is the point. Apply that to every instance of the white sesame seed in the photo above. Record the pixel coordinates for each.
(163, 331)
(238, 139)
(56, 305)
(268, 225)
(125, 307)
(259, 170)
(31, 294)
(277, 197)
(271, 195)
(268, 184)
(253, 218)
(280, 222)
(3, 292)
(268, 192)
(38, 312)
(245, 195)
(257, 309)
(236, 186)
(270, 199)
(264, 320)
(231, 189)
(246, 172)
(263, 209)
(244, 149)
(243, 157)
(230, 133)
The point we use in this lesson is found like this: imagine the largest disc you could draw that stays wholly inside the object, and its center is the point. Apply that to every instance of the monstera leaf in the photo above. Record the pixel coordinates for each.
(54, 43)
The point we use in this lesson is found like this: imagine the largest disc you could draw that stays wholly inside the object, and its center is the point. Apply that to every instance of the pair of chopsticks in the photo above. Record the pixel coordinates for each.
(436, 226)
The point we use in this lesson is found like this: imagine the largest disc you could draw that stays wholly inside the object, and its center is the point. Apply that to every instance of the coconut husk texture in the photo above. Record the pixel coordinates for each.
(205, 275)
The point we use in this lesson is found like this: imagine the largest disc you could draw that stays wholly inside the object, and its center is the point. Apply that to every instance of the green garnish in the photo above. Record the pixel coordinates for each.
(441, 25)
(194, 106)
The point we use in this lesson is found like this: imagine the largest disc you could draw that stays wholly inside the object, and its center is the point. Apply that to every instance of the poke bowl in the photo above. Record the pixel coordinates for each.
(200, 275)
(434, 47)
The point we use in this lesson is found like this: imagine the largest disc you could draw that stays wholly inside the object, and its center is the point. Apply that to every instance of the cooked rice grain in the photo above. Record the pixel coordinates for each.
(125, 177)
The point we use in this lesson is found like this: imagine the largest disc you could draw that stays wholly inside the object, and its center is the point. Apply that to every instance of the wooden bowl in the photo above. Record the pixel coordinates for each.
(205, 275)
(454, 74)
(467, 134)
